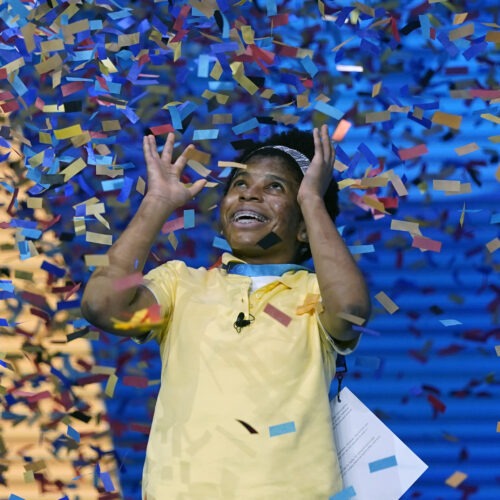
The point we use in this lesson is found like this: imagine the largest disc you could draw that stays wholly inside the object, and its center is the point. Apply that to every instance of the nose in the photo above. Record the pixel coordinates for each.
(251, 192)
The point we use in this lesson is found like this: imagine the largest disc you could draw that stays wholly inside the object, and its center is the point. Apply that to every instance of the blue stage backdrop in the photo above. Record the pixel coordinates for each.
(410, 91)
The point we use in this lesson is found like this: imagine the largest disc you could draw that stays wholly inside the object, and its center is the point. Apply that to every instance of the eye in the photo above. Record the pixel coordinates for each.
(238, 183)
(276, 186)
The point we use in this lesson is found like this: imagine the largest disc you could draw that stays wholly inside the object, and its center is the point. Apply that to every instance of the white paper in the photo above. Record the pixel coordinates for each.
(374, 462)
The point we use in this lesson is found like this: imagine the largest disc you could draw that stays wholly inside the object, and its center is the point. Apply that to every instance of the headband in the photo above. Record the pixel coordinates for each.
(301, 159)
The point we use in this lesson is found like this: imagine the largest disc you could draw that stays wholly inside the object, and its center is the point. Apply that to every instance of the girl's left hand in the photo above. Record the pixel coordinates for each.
(319, 174)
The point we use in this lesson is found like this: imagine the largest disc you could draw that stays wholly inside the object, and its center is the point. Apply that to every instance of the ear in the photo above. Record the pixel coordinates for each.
(302, 232)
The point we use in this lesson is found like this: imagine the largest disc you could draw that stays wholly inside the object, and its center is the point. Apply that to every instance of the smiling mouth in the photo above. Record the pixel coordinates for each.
(248, 217)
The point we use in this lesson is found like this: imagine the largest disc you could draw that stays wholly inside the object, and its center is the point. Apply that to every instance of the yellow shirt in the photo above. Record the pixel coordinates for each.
(240, 416)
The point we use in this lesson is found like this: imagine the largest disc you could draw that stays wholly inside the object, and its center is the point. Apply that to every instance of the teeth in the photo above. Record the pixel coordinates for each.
(248, 215)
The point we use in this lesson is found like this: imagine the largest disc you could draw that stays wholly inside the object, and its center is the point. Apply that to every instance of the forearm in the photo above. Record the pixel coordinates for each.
(126, 256)
(342, 285)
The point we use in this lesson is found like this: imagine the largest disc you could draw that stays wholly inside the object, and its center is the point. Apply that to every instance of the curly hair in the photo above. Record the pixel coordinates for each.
(304, 143)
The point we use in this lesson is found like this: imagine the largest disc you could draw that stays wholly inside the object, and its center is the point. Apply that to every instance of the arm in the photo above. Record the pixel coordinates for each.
(101, 301)
(342, 286)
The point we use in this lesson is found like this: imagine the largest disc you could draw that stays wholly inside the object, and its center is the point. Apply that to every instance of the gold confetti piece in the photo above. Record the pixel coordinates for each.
(498, 426)
(73, 168)
(311, 303)
(248, 34)
(35, 202)
(447, 119)
(339, 166)
(494, 138)
(403, 225)
(456, 479)
(52, 45)
(29, 476)
(172, 239)
(36, 466)
(491, 118)
(493, 245)
(303, 100)
(446, 185)
(460, 18)
(231, 164)
(51, 64)
(99, 238)
(390, 306)
(199, 168)
(397, 183)
(462, 216)
(66, 133)
(222, 118)
(376, 89)
(378, 181)
(238, 71)
(466, 149)
(110, 125)
(216, 71)
(97, 260)
(462, 32)
(377, 116)
(140, 186)
(376, 204)
(199, 156)
(357, 320)
(102, 370)
(110, 385)
(497, 350)
(493, 36)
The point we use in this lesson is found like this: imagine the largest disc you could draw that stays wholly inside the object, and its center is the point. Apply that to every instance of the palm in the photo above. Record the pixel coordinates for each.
(164, 174)
(318, 175)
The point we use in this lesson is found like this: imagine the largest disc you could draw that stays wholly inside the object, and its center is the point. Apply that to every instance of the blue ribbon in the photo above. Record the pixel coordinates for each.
(262, 269)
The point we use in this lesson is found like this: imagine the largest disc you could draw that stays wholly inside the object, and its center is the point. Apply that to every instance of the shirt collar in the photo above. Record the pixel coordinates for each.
(233, 265)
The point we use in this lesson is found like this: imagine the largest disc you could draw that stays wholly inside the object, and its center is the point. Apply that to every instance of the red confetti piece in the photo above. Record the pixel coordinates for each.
(278, 315)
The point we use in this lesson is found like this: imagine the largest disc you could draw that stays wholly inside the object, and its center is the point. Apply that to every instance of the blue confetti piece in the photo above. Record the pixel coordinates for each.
(73, 434)
(188, 219)
(309, 66)
(495, 219)
(450, 322)
(345, 494)
(176, 117)
(221, 243)
(6, 285)
(107, 482)
(112, 184)
(272, 10)
(284, 428)
(203, 65)
(245, 126)
(329, 110)
(50, 268)
(383, 463)
(15, 497)
(4, 322)
(208, 134)
(357, 249)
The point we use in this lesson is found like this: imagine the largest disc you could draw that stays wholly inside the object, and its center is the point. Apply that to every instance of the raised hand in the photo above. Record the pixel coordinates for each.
(164, 174)
(319, 173)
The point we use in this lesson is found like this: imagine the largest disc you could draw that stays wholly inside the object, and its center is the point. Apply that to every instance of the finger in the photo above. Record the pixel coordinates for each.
(181, 162)
(196, 187)
(318, 150)
(149, 148)
(326, 144)
(168, 148)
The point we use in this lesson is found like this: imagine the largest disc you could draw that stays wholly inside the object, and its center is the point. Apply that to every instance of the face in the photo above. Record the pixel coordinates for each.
(262, 199)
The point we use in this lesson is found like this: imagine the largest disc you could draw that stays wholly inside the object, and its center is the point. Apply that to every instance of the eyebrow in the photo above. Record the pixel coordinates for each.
(274, 177)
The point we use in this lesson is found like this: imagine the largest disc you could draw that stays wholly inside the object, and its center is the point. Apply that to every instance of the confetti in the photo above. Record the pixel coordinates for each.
(383, 463)
(456, 479)
(280, 429)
